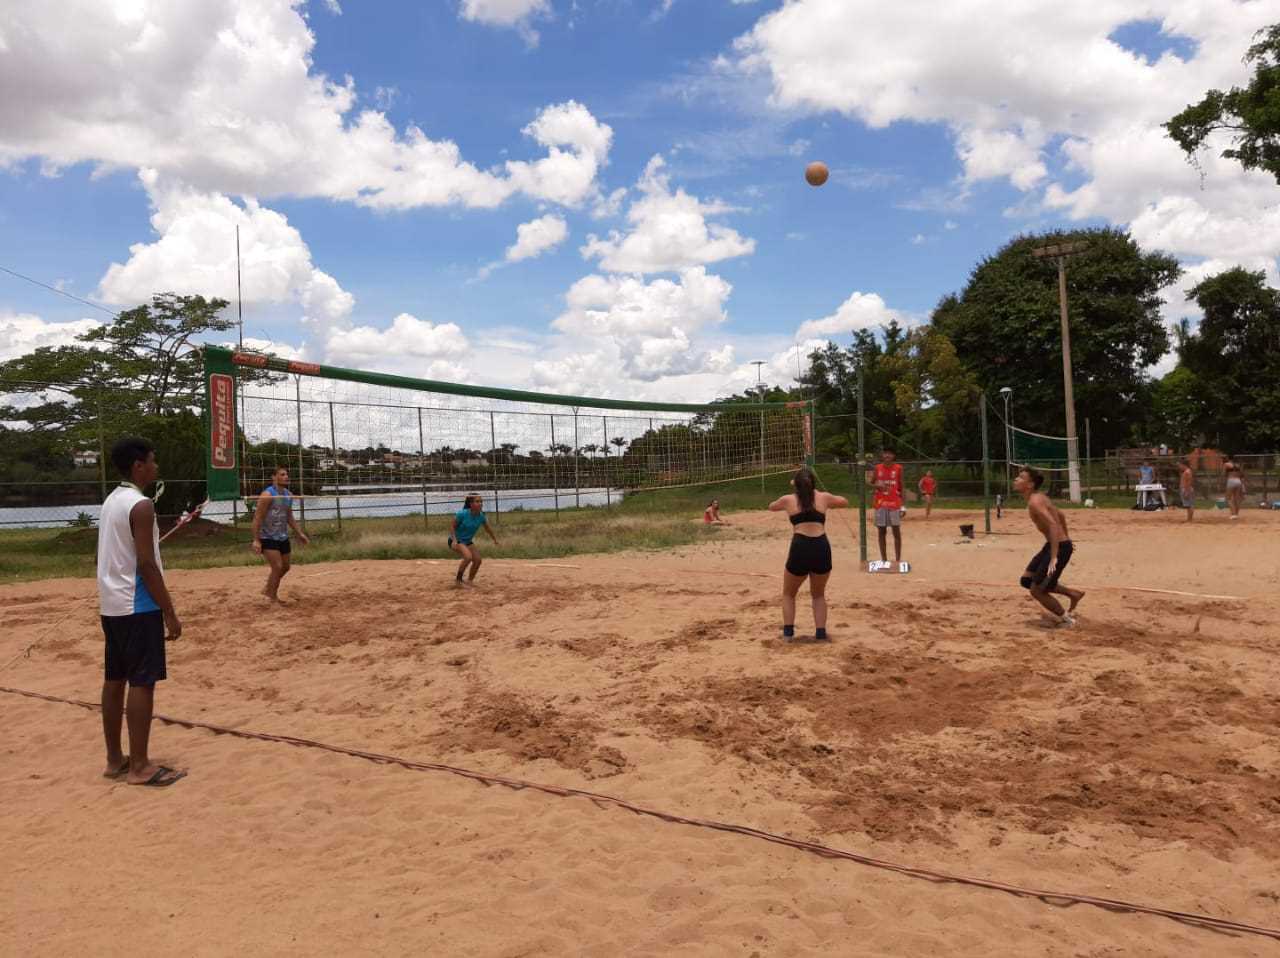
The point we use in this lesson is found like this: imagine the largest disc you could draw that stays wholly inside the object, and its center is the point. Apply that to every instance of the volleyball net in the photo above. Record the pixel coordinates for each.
(365, 443)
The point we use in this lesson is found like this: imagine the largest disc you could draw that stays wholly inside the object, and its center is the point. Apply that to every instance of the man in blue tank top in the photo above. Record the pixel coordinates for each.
(272, 520)
(467, 521)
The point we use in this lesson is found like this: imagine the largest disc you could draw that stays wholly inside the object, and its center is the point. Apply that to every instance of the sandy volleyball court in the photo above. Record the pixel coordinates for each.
(1134, 756)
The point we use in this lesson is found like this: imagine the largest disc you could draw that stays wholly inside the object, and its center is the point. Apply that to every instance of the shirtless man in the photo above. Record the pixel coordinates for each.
(1044, 571)
(1187, 488)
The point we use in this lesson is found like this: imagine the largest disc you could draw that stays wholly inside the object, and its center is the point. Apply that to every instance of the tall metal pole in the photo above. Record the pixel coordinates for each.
(608, 493)
(422, 460)
(239, 384)
(1073, 444)
(577, 486)
(1088, 460)
(493, 455)
(986, 464)
(333, 448)
(297, 392)
(862, 476)
(555, 480)
(760, 388)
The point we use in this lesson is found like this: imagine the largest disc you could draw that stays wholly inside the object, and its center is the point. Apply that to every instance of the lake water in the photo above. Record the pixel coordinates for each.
(382, 504)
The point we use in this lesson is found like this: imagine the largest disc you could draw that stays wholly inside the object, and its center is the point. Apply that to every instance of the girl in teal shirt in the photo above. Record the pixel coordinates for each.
(467, 521)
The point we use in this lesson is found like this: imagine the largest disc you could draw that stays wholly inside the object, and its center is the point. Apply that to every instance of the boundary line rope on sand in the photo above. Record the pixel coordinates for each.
(1062, 899)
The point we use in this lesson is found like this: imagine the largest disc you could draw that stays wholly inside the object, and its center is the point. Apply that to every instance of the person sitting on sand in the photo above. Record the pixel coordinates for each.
(712, 513)
(810, 555)
(272, 520)
(1045, 569)
(467, 521)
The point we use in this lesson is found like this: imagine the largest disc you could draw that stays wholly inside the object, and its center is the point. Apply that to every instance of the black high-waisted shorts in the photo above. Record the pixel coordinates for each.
(809, 555)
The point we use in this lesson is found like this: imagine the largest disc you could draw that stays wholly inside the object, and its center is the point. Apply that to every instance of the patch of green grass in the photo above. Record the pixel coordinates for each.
(652, 520)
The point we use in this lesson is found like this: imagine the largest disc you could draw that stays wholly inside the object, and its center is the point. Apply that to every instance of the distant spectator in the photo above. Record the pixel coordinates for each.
(712, 513)
(1146, 474)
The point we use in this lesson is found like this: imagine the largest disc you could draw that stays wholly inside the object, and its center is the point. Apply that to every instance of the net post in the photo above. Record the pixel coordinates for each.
(102, 450)
(1088, 460)
(577, 485)
(422, 459)
(608, 491)
(297, 405)
(862, 475)
(333, 448)
(810, 437)
(555, 479)
(986, 464)
(493, 464)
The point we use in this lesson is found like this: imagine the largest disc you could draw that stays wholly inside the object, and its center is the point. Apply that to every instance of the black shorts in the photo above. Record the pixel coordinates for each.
(809, 555)
(281, 546)
(1038, 571)
(460, 542)
(135, 648)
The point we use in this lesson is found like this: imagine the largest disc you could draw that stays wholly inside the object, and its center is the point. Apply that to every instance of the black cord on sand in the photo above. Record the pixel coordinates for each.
(1060, 899)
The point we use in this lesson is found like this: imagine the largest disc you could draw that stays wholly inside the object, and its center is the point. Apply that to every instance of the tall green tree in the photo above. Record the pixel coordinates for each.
(1250, 115)
(1005, 329)
(138, 374)
(1235, 356)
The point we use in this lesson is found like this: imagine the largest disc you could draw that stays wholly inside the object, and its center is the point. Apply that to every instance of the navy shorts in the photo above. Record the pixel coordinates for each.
(135, 648)
(281, 546)
(809, 555)
(1038, 570)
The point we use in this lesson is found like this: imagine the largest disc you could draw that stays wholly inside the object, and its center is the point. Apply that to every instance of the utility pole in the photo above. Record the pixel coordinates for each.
(1060, 253)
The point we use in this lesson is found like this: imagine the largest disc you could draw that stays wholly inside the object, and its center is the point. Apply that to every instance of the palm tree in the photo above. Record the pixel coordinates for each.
(619, 442)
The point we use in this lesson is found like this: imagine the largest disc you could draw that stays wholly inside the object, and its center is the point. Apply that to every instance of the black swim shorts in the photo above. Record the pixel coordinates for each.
(135, 648)
(281, 546)
(1038, 571)
(809, 555)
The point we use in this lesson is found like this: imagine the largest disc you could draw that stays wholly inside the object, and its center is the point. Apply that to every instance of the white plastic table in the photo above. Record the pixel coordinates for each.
(1148, 493)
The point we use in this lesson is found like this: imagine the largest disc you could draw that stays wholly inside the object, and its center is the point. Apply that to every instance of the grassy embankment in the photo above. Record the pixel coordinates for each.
(660, 519)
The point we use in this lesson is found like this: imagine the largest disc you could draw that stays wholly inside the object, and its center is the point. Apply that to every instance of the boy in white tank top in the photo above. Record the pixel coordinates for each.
(136, 614)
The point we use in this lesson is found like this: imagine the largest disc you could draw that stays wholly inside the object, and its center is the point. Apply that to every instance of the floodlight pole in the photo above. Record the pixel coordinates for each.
(1059, 254)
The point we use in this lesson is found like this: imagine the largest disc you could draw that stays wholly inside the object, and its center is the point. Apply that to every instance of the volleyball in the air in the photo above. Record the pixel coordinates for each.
(816, 173)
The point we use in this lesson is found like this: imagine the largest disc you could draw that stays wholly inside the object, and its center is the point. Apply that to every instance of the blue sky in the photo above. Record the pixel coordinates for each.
(944, 140)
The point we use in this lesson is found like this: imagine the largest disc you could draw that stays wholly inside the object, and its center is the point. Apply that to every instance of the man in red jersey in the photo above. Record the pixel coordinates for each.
(887, 482)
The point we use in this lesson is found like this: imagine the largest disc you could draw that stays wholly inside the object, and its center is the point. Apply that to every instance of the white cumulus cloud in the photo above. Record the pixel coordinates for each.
(195, 253)
(669, 231)
(1030, 86)
(22, 333)
(222, 95)
(859, 311)
(537, 237)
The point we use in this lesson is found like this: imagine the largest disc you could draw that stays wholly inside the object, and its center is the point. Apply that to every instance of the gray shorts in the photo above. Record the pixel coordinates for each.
(888, 517)
(1188, 500)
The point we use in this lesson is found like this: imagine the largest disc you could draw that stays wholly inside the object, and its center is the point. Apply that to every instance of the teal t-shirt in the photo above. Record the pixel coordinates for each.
(468, 525)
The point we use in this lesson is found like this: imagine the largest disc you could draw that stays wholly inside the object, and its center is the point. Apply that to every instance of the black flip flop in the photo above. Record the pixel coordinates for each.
(162, 777)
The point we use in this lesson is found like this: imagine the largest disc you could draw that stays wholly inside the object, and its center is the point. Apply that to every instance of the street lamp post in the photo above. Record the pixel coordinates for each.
(1060, 253)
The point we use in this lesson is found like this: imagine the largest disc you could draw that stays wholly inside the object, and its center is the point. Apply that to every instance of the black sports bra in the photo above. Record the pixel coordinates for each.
(809, 515)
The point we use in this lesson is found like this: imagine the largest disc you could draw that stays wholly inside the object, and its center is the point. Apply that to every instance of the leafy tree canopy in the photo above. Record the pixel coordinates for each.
(1234, 355)
(1005, 329)
(1251, 115)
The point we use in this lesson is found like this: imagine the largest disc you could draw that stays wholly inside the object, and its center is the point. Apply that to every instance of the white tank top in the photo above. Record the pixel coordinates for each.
(121, 590)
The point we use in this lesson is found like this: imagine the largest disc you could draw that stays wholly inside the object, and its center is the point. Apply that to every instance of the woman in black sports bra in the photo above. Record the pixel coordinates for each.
(810, 555)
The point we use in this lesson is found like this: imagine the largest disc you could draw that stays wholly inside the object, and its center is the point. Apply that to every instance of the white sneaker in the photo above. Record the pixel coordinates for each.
(1066, 621)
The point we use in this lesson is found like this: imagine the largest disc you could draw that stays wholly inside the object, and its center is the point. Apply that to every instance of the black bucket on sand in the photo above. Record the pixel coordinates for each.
(967, 531)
